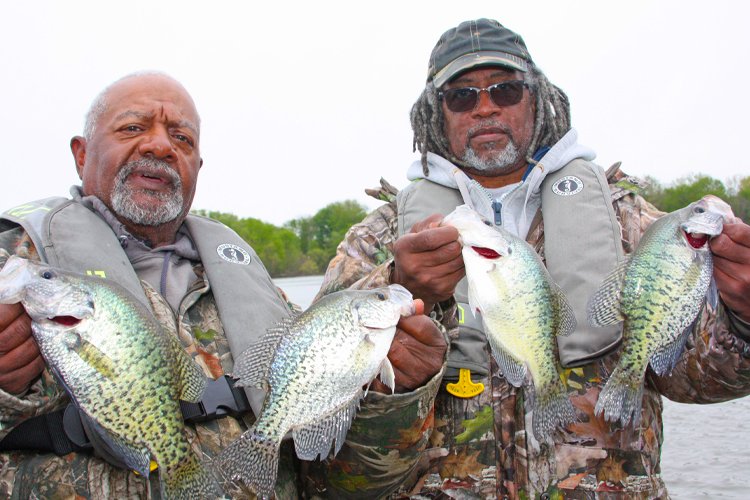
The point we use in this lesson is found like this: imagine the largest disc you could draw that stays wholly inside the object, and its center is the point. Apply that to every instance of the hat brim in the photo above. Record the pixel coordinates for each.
(477, 59)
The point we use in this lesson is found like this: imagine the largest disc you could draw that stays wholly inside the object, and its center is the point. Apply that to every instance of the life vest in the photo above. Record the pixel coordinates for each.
(583, 244)
(70, 236)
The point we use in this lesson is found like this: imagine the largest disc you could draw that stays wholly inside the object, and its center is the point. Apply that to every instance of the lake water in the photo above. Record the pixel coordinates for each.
(706, 451)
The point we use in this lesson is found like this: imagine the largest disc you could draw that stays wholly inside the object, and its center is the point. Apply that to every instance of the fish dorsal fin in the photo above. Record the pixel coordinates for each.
(317, 438)
(253, 365)
(666, 357)
(513, 370)
(565, 318)
(604, 306)
(387, 376)
(191, 380)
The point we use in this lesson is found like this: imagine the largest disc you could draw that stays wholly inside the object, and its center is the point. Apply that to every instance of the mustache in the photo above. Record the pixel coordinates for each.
(489, 124)
(151, 167)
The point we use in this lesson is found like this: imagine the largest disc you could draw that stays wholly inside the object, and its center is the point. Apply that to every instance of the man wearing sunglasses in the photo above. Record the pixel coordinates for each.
(494, 133)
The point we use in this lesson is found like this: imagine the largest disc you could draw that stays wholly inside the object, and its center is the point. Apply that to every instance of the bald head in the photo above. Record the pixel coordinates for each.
(99, 105)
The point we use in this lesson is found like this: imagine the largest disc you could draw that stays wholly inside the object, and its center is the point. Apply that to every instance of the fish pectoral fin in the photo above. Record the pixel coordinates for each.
(387, 375)
(604, 306)
(317, 439)
(712, 294)
(93, 356)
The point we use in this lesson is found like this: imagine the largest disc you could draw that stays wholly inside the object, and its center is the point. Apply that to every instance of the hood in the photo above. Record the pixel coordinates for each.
(520, 205)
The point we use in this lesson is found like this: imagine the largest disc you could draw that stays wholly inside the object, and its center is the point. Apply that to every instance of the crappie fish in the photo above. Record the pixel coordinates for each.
(658, 292)
(314, 367)
(118, 366)
(522, 310)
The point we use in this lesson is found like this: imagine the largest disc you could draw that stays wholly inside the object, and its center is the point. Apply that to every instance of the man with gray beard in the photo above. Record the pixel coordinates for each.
(494, 133)
(167, 205)
(129, 222)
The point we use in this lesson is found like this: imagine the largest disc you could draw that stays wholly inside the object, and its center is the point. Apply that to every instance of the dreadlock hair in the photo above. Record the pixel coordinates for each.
(551, 121)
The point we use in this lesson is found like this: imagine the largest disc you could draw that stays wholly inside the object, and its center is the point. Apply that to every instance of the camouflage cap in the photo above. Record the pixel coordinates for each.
(471, 44)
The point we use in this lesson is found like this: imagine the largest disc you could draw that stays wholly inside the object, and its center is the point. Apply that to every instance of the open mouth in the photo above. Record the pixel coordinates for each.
(696, 240)
(65, 320)
(487, 253)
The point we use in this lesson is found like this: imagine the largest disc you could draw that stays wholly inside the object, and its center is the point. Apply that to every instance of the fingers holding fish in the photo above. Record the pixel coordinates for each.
(20, 360)
(429, 264)
(416, 354)
(731, 250)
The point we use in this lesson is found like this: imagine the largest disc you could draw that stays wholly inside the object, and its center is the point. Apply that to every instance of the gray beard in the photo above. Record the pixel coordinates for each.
(498, 163)
(162, 208)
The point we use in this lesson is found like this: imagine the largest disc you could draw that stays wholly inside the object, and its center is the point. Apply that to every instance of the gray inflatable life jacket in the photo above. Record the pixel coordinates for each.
(582, 241)
(70, 236)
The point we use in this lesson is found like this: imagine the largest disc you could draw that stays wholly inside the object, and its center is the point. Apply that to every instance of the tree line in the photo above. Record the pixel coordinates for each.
(300, 247)
(305, 245)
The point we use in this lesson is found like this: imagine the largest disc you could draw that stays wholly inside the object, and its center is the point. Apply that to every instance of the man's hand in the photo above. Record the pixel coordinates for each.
(416, 354)
(731, 251)
(428, 261)
(20, 360)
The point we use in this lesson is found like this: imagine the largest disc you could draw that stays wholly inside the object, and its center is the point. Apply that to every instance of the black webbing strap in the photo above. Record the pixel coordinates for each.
(61, 432)
(42, 433)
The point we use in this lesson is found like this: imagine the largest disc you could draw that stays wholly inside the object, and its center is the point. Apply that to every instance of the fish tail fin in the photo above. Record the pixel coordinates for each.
(189, 479)
(621, 397)
(552, 408)
(254, 459)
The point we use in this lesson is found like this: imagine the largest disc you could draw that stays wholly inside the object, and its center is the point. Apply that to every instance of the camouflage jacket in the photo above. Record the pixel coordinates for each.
(429, 444)
(85, 476)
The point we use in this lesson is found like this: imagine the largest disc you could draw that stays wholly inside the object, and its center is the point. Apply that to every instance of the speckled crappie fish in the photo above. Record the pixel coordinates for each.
(522, 311)
(118, 366)
(315, 367)
(658, 292)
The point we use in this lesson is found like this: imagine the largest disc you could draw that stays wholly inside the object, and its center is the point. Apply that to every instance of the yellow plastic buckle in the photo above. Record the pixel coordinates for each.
(152, 467)
(465, 388)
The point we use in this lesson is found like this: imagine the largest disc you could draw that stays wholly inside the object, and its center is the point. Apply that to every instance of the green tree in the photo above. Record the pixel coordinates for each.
(689, 189)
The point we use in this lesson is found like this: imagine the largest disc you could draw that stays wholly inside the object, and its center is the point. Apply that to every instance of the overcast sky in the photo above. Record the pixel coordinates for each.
(306, 103)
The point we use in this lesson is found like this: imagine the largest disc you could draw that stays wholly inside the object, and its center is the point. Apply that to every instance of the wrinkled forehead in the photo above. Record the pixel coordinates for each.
(150, 95)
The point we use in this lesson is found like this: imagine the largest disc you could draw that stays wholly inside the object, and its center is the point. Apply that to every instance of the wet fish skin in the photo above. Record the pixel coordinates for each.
(658, 292)
(522, 312)
(118, 366)
(314, 367)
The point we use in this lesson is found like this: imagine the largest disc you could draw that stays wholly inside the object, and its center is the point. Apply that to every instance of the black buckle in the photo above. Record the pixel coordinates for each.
(221, 398)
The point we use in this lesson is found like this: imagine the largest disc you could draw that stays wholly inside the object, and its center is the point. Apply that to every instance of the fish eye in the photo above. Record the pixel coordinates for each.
(487, 223)
(699, 210)
(48, 275)
(380, 296)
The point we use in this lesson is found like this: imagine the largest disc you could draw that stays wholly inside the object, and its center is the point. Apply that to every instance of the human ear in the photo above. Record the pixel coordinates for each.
(78, 147)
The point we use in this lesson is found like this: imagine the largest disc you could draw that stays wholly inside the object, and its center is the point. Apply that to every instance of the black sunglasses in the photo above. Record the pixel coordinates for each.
(466, 98)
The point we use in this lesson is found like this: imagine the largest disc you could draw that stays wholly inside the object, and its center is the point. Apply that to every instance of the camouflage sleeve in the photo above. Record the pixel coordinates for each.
(45, 394)
(363, 259)
(715, 366)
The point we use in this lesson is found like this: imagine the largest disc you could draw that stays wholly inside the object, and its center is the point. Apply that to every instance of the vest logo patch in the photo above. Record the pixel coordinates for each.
(234, 254)
(567, 186)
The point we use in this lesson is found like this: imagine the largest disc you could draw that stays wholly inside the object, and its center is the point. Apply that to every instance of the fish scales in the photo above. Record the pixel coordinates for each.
(314, 368)
(522, 310)
(658, 293)
(119, 367)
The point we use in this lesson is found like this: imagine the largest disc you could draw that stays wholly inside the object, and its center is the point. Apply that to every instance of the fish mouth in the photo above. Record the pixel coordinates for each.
(69, 321)
(696, 240)
(487, 253)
